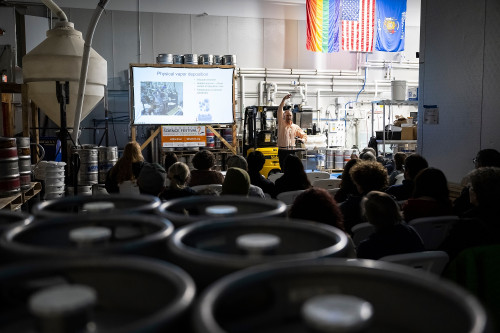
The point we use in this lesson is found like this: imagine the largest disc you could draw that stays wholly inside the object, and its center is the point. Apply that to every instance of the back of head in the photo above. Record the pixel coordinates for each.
(431, 182)
(203, 160)
(367, 156)
(399, 160)
(132, 152)
(380, 209)
(293, 169)
(236, 181)
(151, 179)
(256, 161)
(316, 204)
(237, 161)
(369, 149)
(485, 183)
(488, 158)
(347, 183)
(413, 164)
(369, 176)
(178, 174)
(170, 158)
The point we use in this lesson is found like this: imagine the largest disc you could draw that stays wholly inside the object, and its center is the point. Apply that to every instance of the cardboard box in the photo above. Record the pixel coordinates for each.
(409, 133)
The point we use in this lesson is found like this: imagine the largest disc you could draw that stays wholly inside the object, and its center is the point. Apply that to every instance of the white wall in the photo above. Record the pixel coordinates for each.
(459, 74)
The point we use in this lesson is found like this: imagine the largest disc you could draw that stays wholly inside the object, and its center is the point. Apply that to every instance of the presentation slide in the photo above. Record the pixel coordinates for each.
(182, 95)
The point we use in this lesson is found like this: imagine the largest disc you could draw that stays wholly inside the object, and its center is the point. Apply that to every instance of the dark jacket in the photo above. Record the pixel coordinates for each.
(111, 183)
(396, 239)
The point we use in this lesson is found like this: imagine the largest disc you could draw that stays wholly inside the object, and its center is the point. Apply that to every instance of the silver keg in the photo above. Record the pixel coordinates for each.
(191, 58)
(165, 58)
(107, 158)
(337, 295)
(107, 294)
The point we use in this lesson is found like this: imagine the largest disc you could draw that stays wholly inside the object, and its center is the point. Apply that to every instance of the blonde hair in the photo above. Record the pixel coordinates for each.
(123, 168)
(178, 173)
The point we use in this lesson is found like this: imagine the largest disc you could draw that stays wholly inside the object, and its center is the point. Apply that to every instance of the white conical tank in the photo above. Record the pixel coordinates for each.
(59, 58)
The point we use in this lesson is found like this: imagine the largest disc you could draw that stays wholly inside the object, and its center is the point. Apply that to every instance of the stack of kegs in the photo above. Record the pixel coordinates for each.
(227, 134)
(24, 155)
(54, 179)
(210, 139)
(195, 59)
(10, 183)
(107, 158)
(88, 171)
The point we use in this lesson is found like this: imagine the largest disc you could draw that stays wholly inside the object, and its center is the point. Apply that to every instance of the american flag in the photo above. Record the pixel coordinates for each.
(358, 19)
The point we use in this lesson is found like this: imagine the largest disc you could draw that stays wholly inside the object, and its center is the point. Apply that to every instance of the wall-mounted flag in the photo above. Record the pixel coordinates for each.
(358, 19)
(323, 25)
(391, 20)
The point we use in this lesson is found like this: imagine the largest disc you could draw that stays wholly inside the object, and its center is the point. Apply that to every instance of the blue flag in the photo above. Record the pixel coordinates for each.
(391, 20)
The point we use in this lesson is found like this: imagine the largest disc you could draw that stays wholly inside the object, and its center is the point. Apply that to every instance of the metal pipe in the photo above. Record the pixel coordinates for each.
(85, 67)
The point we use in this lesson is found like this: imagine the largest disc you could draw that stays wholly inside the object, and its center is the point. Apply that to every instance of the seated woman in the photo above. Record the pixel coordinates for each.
(430, 196)
(178, 174)
(294, 177)
(127, 168)
(256, 161)
(347, 187)
(399, 161)
(203, 162)
(367, 176)
(392, 235)
(480, 224)
(316, 204)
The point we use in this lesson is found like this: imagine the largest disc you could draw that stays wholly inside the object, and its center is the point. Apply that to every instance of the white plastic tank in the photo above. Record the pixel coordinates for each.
(59, 58)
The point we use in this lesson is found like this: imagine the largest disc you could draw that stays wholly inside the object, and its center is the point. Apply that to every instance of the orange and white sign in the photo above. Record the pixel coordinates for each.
(183, 136)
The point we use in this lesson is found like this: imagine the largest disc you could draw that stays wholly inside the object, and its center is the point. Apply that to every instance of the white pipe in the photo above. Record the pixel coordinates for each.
(268, 91)
(242, 102)
(261, 88)
(85, 66)
(56, 10)
(275, 90)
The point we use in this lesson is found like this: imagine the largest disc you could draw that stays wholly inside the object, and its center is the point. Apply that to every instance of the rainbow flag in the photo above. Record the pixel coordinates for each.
(323, 25)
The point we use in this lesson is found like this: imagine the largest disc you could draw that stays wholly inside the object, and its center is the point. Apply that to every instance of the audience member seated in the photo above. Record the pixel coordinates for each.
(367, 156)
(399, 160)
(347, 187)
(169, 160)
(236, 182)
(294, 177)
(392, 235)
(480, 224)
(151, 179)
(413, 164)
(237, 161)
(178, 174)
(256, 161)
(127, 168)
(484, 158)
(367, 176)
(430, 196)
(203, 162)
(316, 204)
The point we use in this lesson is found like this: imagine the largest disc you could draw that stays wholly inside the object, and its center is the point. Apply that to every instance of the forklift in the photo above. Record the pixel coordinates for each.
(261, 139)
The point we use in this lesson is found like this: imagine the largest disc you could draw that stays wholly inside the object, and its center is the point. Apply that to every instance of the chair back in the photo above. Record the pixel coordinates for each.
(288, 197)
(428, 261)
(313, 176)
(215, 187)
(327, 183)
(129, 187)
(274, 176)
(361, 231)
(433, 230)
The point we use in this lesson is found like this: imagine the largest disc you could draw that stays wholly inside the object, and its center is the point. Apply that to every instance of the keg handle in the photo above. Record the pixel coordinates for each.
(41, 154)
